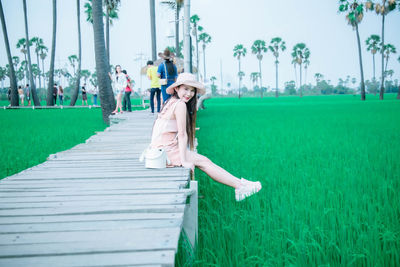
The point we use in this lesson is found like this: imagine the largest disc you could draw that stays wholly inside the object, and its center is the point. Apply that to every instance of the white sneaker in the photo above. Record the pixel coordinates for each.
(247, 189)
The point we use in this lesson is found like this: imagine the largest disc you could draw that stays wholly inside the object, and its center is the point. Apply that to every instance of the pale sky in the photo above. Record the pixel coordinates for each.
(331, 40)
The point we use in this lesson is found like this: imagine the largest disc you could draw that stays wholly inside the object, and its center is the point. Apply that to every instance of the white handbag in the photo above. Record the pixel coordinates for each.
(156, 158)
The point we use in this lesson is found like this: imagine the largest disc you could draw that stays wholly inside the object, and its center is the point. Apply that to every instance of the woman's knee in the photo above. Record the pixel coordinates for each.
(200, 160)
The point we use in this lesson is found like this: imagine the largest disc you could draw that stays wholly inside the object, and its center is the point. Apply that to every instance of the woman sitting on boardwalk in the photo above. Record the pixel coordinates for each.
(174, 130)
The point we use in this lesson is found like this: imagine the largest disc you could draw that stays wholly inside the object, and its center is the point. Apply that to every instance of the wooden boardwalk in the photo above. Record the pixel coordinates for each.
(96, 205)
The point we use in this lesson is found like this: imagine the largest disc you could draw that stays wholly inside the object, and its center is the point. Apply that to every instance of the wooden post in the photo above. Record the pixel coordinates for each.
(190, 221)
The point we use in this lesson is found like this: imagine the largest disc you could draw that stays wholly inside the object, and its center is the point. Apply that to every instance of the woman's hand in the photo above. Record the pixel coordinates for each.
(188, 165)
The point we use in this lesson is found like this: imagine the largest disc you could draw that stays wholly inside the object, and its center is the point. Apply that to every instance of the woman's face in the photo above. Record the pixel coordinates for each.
(118, 69)
(185, 92)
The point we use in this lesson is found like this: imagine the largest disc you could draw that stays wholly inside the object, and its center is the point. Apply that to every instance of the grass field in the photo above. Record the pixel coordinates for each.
(29, 136)
(330, 171)
(329, 166)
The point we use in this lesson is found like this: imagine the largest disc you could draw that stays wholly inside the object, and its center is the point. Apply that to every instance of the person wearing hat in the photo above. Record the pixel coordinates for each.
(168, 72)
(174, 131)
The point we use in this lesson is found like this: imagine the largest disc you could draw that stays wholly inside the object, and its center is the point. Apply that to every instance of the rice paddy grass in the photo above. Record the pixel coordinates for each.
(28, 136)
(330, 171)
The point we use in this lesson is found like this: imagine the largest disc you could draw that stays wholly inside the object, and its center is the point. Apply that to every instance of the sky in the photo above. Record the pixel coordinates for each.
(316, 23)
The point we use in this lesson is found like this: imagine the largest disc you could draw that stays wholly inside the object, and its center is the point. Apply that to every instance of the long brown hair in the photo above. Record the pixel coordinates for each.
(191, 116)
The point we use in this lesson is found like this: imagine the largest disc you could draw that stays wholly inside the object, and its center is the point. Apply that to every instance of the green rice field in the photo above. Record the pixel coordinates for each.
(330, 169)
(29, 136)
(329, 165)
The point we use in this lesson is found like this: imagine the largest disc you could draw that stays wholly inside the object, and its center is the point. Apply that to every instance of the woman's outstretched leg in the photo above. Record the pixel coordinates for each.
(243, 187)
(211, 169)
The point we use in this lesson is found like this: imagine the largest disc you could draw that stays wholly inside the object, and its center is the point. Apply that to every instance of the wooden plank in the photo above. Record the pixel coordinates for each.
(36, 244)
(88, 226)
(131, 258)
(104, 185)
(92, 210)
(68, 202)
(33, 220)
(133, 198)
(78, 180)
(12, 194)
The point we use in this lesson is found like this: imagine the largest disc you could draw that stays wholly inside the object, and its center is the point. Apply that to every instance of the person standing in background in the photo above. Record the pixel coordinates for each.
(28, 94)
(84, 95)
(119, 85)
(155, 85)
(55, 92)
(167, 72)
(21, 95)
(95, 91)
(127, 95)
(61, 94)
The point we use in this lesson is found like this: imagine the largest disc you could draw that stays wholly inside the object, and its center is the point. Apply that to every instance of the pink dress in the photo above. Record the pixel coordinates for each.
(165, 133)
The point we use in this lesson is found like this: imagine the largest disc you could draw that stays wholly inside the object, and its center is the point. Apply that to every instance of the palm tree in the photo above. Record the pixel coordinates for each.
(85, 74)
(194, 20)
(22, 45)
(294, 62)
(373, 45)
(13, 79)
(382, 9)
(73, 59)
(102, 65)
(205, 38)
(213, 87)
(49, 98)
(176, 6)
(39, 48)
(387, 50)
(300, 52)
(258, 48)
(276, 45)
(318, 76)
(36, 100)
(354, 16)
(398, 92)
(111, 13)
(153, 30)
(254, 78)
(306, 64)
(241, 74)
(239, 51)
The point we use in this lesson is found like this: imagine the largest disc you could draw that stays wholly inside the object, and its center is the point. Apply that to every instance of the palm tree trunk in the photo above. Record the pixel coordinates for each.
(398, 93)
(301, 89)
(177, 30)
(276, 78)
(382, 90)
(50, 85)
(240, 79)
(13, 79)
(102, 65)
(43, 74)
(361, 65)
(108, 34)
(204, 62)
(78, 73)
(38, 64)
(36, 100)
(295, 75)
(153, 31)
(259, 67)
(197, 52)
(373, 63)
(387, 61)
